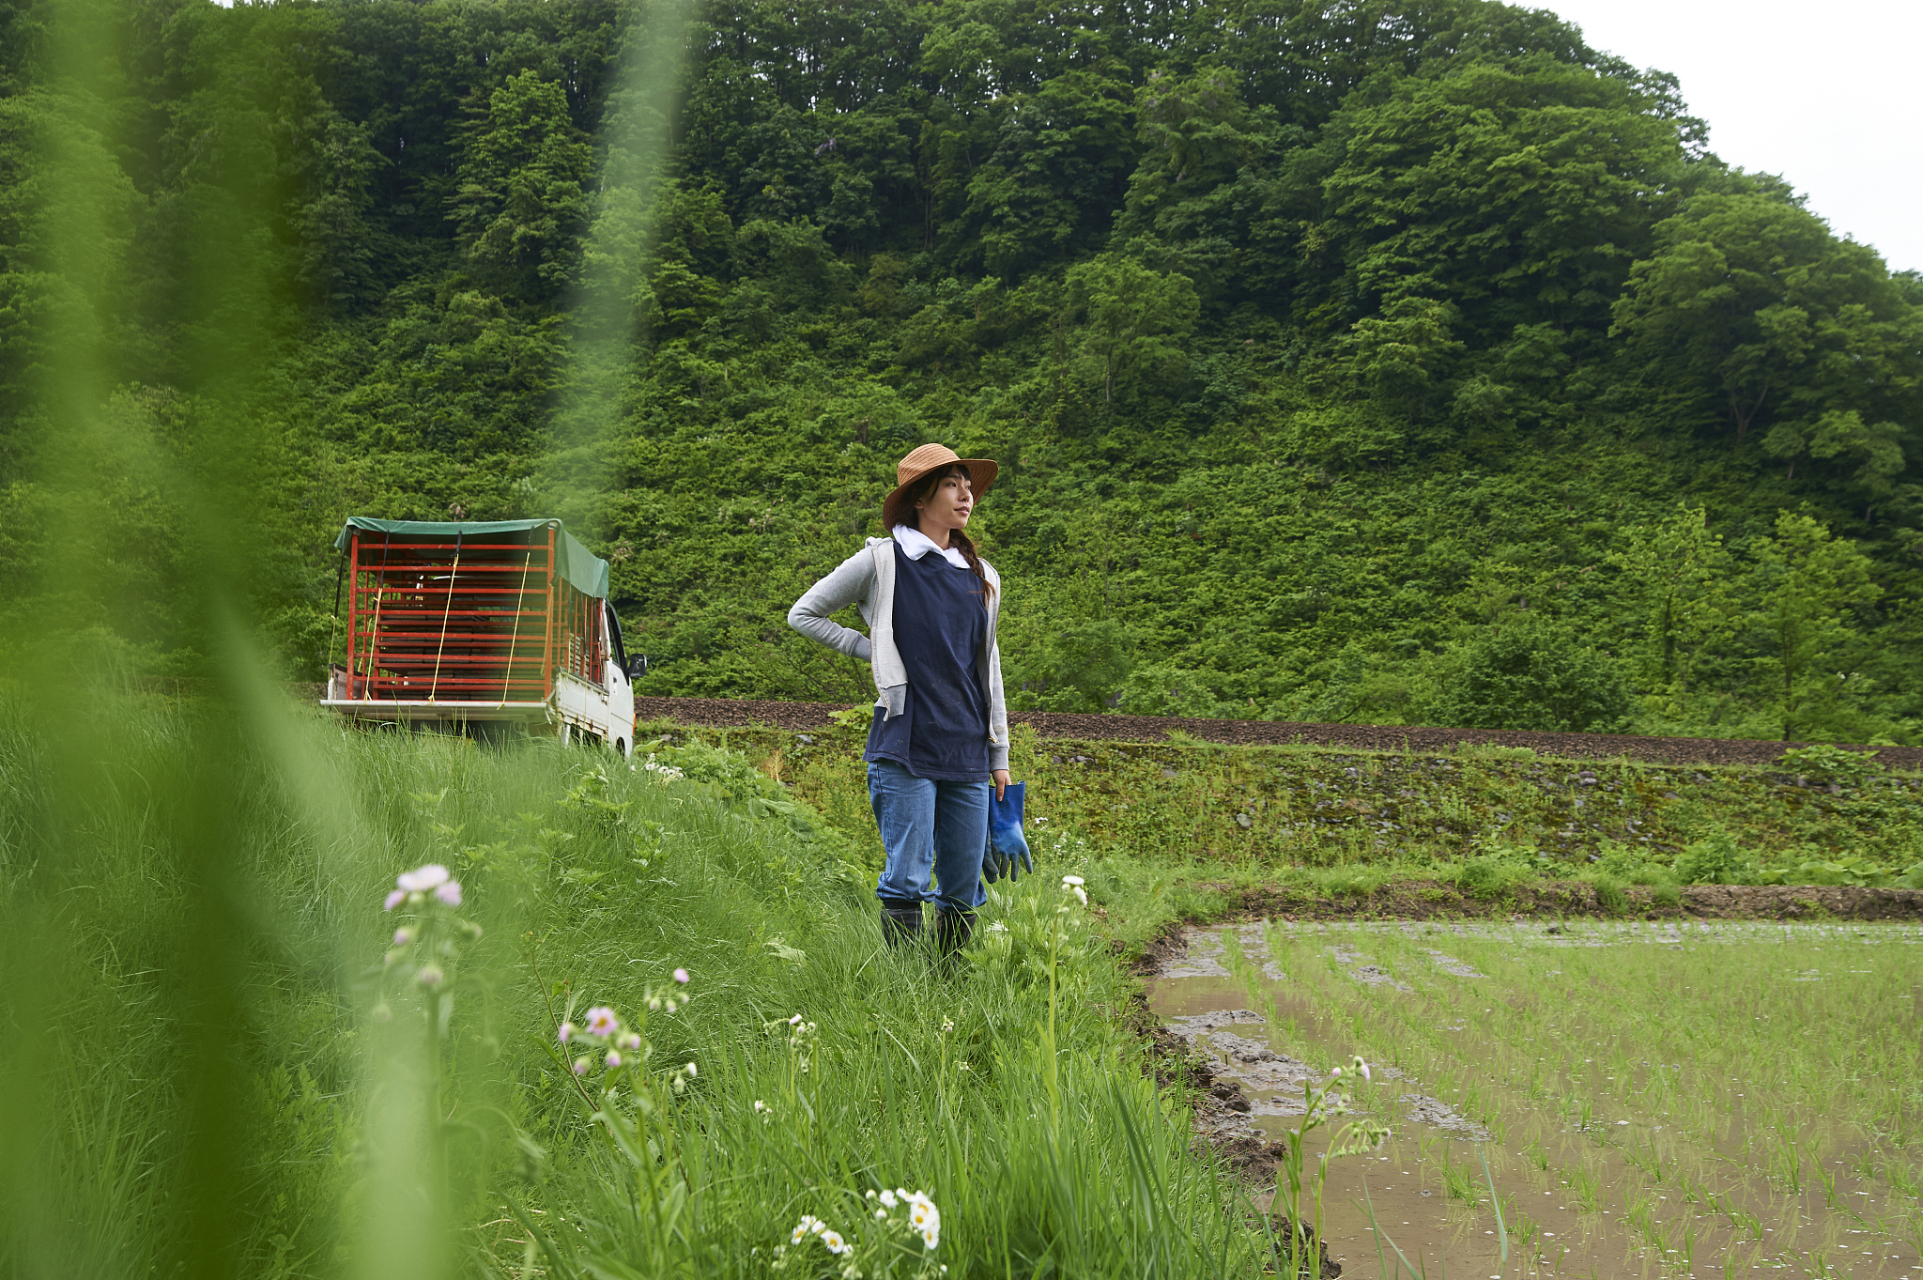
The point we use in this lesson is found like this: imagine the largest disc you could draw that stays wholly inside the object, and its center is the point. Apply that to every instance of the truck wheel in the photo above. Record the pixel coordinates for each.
(622, 749)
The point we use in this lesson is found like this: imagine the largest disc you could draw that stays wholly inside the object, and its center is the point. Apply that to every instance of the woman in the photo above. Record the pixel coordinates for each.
(940, 731)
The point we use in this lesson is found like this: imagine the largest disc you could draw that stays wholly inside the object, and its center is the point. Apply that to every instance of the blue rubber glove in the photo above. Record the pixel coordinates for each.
(1007, 853)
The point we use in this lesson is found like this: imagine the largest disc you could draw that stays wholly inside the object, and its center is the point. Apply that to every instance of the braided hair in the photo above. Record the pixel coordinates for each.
(923, 489)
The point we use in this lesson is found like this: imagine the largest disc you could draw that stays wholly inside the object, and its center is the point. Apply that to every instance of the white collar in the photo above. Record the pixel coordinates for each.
(915, 544)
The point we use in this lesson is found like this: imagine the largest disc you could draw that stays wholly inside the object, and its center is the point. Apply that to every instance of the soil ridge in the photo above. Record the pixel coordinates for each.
(728, 713)
(1441, 900)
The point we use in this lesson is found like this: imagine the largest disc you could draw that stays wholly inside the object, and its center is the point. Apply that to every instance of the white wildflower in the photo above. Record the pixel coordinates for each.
(422, 879)
(923, 1215)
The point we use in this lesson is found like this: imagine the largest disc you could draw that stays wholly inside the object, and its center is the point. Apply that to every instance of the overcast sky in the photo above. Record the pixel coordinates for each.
(1825, 94)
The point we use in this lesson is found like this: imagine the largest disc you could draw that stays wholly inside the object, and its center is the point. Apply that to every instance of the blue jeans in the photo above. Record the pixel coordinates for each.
(930, 828)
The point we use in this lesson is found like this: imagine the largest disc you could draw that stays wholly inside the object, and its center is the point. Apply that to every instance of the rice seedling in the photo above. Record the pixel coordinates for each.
(1666, 1079)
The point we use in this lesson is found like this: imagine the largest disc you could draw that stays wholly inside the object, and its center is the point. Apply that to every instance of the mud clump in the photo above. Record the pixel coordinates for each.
(1433, 1111)
(1450, 965)
(1372, 975)
(1188, 1026)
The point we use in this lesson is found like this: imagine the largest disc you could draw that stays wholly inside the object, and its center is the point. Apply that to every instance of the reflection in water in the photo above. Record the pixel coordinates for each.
(1605, 1160)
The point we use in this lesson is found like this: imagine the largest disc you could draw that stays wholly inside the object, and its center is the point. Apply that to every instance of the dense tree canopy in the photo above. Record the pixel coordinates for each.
(1376, 361)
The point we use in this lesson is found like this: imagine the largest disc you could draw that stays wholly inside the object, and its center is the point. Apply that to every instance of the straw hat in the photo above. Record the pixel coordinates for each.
(930, 457)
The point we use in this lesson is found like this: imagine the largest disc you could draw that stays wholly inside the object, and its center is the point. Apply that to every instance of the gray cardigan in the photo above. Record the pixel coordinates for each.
(867, 579)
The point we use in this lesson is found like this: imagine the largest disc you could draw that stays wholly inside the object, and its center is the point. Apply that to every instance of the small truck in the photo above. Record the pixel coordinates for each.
(490, 628)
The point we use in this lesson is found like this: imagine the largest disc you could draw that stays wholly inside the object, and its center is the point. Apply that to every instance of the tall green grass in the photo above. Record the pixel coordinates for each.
(198, 1081)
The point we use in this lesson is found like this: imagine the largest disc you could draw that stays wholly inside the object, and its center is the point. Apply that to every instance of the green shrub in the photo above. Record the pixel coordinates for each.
(1853, 869)
(1715, 859)
(1535, 674)
(1631, 864)
(1825, 763)
(1490, 876)
(1609, 894)
(1666, 894)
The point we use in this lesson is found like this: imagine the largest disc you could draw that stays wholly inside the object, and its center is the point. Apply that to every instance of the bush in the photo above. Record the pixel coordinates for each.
(1825, 763)
(1490, 876)
(1714, 859)
(1609, 894)
(1535, 675)
(1630, 864)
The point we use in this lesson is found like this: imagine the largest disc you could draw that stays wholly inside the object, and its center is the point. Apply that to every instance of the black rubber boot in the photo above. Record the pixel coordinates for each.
(900, 921)
(952, 930)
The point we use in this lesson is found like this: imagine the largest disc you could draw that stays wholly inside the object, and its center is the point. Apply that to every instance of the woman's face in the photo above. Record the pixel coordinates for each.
(946, 508)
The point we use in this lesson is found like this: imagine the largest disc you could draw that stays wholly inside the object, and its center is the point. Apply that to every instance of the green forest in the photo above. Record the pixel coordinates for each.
(1377, 362)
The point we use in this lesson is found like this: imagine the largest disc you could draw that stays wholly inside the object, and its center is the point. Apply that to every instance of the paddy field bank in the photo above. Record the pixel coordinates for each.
(242, 1062)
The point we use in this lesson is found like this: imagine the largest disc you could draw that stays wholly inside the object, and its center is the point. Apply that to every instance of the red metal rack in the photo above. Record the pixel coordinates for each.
(484, 621)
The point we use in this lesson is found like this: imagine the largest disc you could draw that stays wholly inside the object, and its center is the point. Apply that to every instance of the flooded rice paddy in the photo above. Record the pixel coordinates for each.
(1651, 1099)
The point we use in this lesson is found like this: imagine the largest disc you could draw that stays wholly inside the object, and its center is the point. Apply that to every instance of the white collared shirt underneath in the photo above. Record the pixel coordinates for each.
(916, 544)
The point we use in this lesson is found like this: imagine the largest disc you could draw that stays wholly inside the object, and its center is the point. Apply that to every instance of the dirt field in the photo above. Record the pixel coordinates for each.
(718, 712)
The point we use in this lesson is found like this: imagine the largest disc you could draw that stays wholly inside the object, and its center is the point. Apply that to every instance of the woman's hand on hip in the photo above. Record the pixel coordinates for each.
(1001, 782)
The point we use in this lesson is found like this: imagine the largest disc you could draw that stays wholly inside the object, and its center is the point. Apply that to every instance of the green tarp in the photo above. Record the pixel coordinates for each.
(587, 571)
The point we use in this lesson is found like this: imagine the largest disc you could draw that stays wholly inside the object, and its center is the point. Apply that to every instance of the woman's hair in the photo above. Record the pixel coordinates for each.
(922, 490)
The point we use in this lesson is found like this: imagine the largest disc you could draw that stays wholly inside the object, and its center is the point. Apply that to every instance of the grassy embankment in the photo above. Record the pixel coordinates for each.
(191, 905)
(1184, 829)
(201, 1077)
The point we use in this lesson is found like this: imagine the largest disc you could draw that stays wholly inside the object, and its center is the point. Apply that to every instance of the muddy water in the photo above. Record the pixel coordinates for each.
(1583, 1189)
